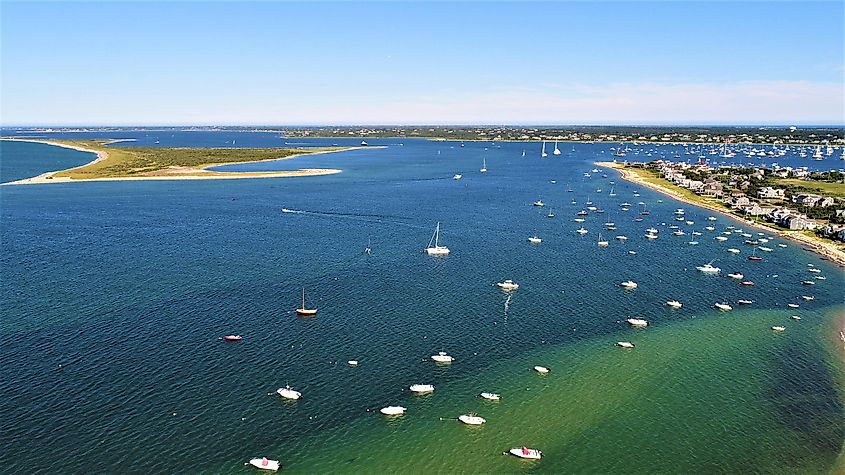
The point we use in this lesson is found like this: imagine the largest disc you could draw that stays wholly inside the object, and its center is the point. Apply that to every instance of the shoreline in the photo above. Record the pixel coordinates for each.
(821, 248)
(183, 173)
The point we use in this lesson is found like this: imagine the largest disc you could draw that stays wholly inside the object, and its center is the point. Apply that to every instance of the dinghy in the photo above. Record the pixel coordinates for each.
(526, 453)
(265, 464)
(472, 419)
(393, 410)
(491, 396)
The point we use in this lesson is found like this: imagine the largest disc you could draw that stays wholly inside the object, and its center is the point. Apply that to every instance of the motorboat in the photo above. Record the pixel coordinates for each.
(629, 284)
(265, 464)
(534, 240)
(422, 388)
(711, 218)
(491, 396)
(472, 419)
(692, 243)
(736, 275)
(808, 298)
(624, 344)
(674, 304)
(637, 322)
(708, 268)
(679, 233)
(288, 393)
(539, 203)
(633, 253)
(233, 338)
(442, 357)
(747, 283)
(526, 453)
(795, 317)
(621, 238)
(808, 282)
(581, 230)
(765, 249)
(792, 305)
(652, 231)
(583, 212)
(723, 307)
(508, 285)
(733, 250)
(352, 362)
(814, 270)
(779, 329)
(457, 176)
(650, 236)
(721, 238)
(744, 302)
(393, 410)
(541, 369)
(710, 228)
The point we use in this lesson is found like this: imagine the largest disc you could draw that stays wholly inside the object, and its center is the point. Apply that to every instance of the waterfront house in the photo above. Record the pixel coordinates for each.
(769, 193)
(812, 201)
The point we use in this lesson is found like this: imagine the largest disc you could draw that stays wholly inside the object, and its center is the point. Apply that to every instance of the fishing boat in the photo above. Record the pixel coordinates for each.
(442, 357)
(305, 311)
(674, 304)
(534, 239)
(541, 369)
(491, 396)
(624, 344)
(472, 419)
(436, 249)
(483, 166)
(288, 393)
(708, 268)
(526, 453)
(508, 285)
(265, 464)
(736, 275)
(421, 388)
(233, 338)
(779, 329)
(393, 410)
(637, 322)
(629, 284)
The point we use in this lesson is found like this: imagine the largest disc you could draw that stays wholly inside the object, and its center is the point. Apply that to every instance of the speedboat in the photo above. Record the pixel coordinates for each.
(633, 253)
(422, 388)
(792, 305)
(711, 218)
(583, 212)
(674, 304)
(808, 297)
(821, 277)
(539, 203)
(442, 357)
(534, 240)
(508, 285)
(779, 329)
(708, 269)
(736, 275)
(526, 453)
(637, 322)
(579, 220)
(710, 228)
(721, 238)
(265, 464)
(795, 317)
(650, 236)
(744, 302)
(679, 233)
(352, 362)
(651, 231)
(747, 283)
(472, 419)
(723, 307)
(624, 344)
(808, 282)
(781, 245)
(733, 250)
(693, 243)
(629, 284)
(288, 393)
(491, 396)
(393, 410)
(233, 338)
(541, 369)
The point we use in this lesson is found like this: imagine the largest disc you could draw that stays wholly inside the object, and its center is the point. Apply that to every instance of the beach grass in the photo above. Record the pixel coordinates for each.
(834, 189)
(157, 161)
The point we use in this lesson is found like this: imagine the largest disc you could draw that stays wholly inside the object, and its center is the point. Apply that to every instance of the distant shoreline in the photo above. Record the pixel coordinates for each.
(815, 245)
(181, 173)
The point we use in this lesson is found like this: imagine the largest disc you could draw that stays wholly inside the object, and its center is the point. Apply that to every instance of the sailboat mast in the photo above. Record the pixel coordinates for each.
(303, 297)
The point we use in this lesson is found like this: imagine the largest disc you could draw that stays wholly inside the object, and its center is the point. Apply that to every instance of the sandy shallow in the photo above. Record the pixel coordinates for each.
(172, 173)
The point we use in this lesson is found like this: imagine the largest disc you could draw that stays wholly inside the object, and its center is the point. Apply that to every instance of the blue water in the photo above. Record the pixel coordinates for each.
(20, 160)
(114, 296)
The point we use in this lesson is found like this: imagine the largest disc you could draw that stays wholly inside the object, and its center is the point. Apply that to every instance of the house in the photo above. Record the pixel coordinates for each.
(812, 201)
(739, 202)
(713, 189)
(756, 210)
(834, 231)
(799, 222)
(769, 193)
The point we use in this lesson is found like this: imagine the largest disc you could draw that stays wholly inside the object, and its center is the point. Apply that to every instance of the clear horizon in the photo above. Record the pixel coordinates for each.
(746, 64)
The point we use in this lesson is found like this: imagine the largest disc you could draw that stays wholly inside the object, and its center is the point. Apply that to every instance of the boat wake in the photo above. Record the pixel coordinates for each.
(345, 215)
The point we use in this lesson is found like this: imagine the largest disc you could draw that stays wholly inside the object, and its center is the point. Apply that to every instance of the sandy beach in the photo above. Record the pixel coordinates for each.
(825, 249)
(172, 173)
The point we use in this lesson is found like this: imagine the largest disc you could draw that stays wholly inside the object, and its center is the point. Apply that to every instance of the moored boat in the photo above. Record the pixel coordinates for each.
(393, 410)
(265, 464)
(526, 453)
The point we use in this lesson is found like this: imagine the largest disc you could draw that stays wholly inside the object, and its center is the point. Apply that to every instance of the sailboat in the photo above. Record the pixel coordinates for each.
(611, 192)
(437, 249)
(484, 166)
(556, 152)
(602, 242)
(543, 150)
(305, 311)
(523, 152)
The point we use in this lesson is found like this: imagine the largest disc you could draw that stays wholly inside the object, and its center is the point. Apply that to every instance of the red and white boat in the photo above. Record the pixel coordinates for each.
(526, 453)
(265, 464)
(233, 338)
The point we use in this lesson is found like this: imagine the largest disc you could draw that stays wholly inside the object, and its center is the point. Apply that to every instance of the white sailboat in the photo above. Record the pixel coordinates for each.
(436, 249)
(543, 150)
(484, 166)
(556, 151)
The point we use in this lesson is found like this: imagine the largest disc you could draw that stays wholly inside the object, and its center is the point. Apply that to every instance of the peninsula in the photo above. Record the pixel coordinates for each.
(168, 163)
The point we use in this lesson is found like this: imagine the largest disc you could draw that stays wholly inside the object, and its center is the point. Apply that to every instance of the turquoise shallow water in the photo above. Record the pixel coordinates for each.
(114, 296)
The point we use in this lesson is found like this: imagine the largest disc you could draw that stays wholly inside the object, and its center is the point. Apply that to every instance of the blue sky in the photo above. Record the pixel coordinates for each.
(127, 63)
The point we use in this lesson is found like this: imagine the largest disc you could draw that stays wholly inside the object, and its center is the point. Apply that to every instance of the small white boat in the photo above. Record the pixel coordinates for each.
(637, 322)
(765, 249)
(422, 388)
(708, 268)
(541, 369)
(781, 245)
(472, 419)
(602, 242)
(534, 240)
(792, 305)
(526, 453)
(621, 238)
(733, 250)
(679, 233)
(795, 317)
(744, 302)
(288, 393)
(491, 396)
(723, 307)
(650, 236)
(692, 243)
(352, 362)
(393, 410)
(674, 304)
(808, 282)
(821, 277)
(808, 297)
(710, 228)
(581, 231)
(508, 285)
(721, 238)
(265, 464)
(633, 253)
(539, 203)
(629, 284)
(736, 275)
(711, 218)
(779, 329)
(484, 166)
(442, 357)
(624, 344)
(814, 270)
